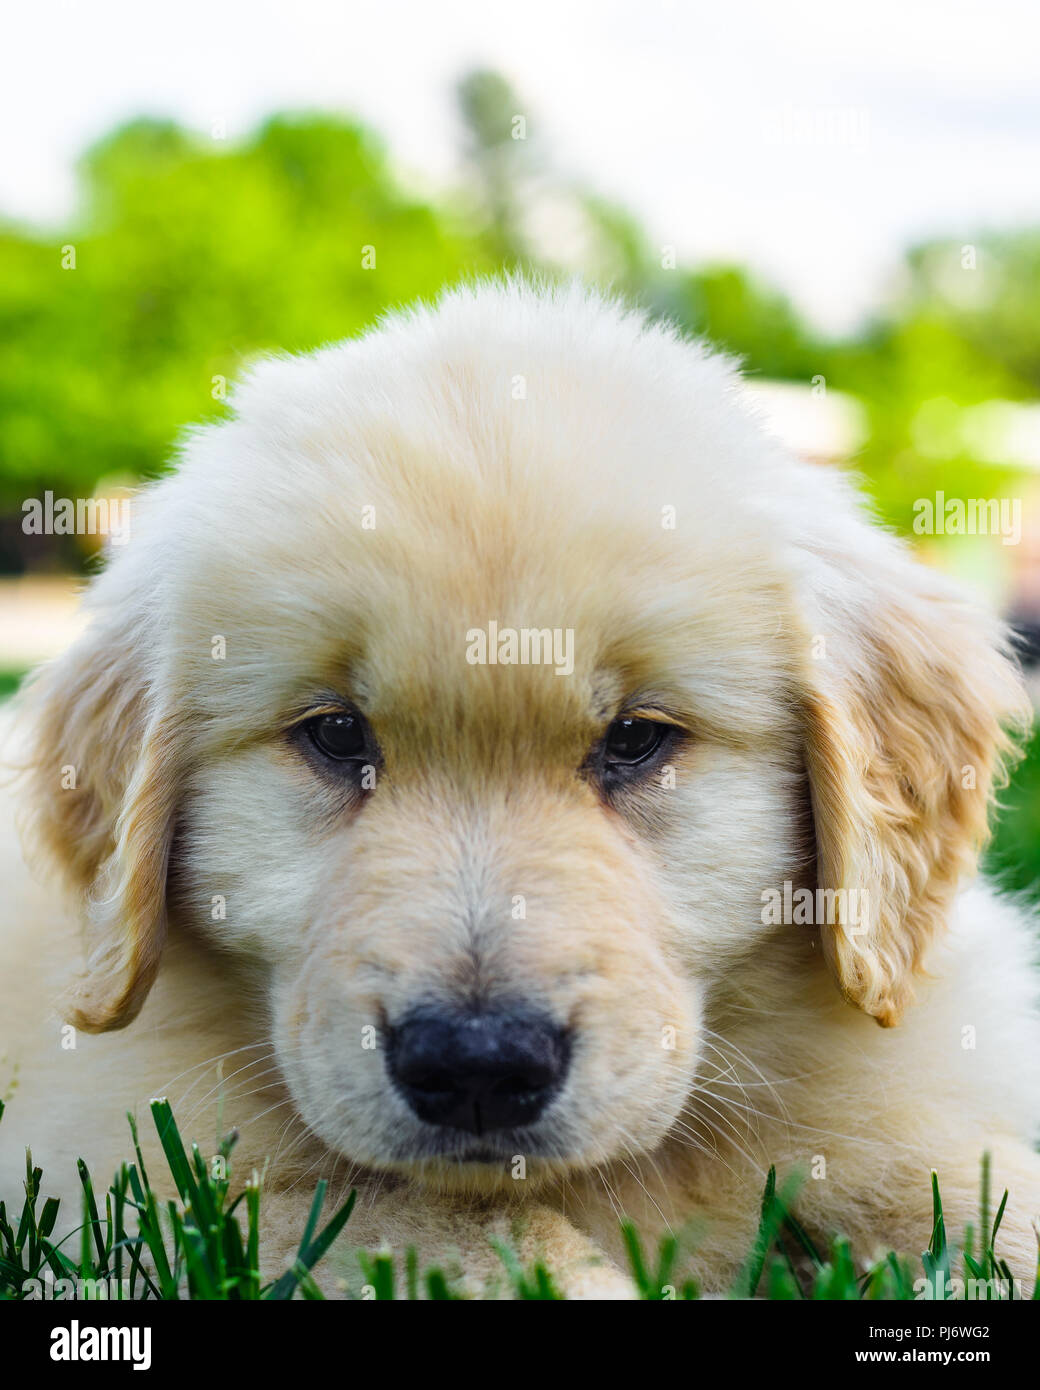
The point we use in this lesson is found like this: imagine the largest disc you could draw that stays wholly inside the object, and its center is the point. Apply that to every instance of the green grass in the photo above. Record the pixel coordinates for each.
(1013, 857)
(205, 1245)
(10, 680)
(202, 1246)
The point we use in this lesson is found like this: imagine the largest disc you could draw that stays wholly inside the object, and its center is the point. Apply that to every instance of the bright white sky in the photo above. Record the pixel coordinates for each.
(683, 111)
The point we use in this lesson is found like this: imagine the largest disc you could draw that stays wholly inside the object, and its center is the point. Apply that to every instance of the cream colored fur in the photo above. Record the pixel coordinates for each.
(524, 456)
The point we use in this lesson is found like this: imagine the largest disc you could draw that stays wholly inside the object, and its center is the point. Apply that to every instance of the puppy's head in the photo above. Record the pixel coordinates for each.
(478, 682)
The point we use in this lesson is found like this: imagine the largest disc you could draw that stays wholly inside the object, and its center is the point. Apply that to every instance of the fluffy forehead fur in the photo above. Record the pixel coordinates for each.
(500, 450)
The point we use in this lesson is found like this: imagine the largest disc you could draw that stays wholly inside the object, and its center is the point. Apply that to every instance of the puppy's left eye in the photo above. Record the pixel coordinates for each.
(632, 741)
(339, 736)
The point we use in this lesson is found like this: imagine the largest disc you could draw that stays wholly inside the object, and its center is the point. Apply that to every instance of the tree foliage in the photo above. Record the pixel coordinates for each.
(188, 256)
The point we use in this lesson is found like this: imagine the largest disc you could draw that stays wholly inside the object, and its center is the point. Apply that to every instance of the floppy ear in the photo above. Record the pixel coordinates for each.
(101, 798)
(907, 699)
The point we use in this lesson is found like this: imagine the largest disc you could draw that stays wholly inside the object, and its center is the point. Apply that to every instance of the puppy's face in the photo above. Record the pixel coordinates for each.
(490, 897)
(481, 720)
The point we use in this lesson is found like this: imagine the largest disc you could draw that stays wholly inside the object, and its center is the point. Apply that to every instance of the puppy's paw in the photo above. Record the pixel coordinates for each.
(577, 1266)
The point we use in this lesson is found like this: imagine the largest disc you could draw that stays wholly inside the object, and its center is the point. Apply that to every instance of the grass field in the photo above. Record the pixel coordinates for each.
(205, 1245)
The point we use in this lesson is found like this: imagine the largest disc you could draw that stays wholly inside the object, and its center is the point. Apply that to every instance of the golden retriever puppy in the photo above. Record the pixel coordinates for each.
(497, 777)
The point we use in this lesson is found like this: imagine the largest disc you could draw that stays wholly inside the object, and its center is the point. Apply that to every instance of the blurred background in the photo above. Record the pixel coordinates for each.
(846, 200)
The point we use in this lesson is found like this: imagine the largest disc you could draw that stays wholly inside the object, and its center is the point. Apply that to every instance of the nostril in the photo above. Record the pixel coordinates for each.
(478, 1071)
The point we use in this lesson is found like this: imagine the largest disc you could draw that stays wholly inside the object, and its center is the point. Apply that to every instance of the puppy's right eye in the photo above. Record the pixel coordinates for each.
(340, 737)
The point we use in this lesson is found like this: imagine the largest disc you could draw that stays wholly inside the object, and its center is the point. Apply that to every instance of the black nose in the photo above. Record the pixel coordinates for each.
(478, 1071)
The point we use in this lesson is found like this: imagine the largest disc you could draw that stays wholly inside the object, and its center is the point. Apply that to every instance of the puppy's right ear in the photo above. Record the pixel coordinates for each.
(100, 803)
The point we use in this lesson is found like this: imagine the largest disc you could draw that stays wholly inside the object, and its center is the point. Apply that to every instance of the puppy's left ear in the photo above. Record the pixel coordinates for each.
(909, 693)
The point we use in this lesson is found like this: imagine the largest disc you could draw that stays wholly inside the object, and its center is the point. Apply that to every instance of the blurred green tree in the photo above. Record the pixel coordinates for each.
(189, 256)
(738, 312)
(502, 154)
(187, 259)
